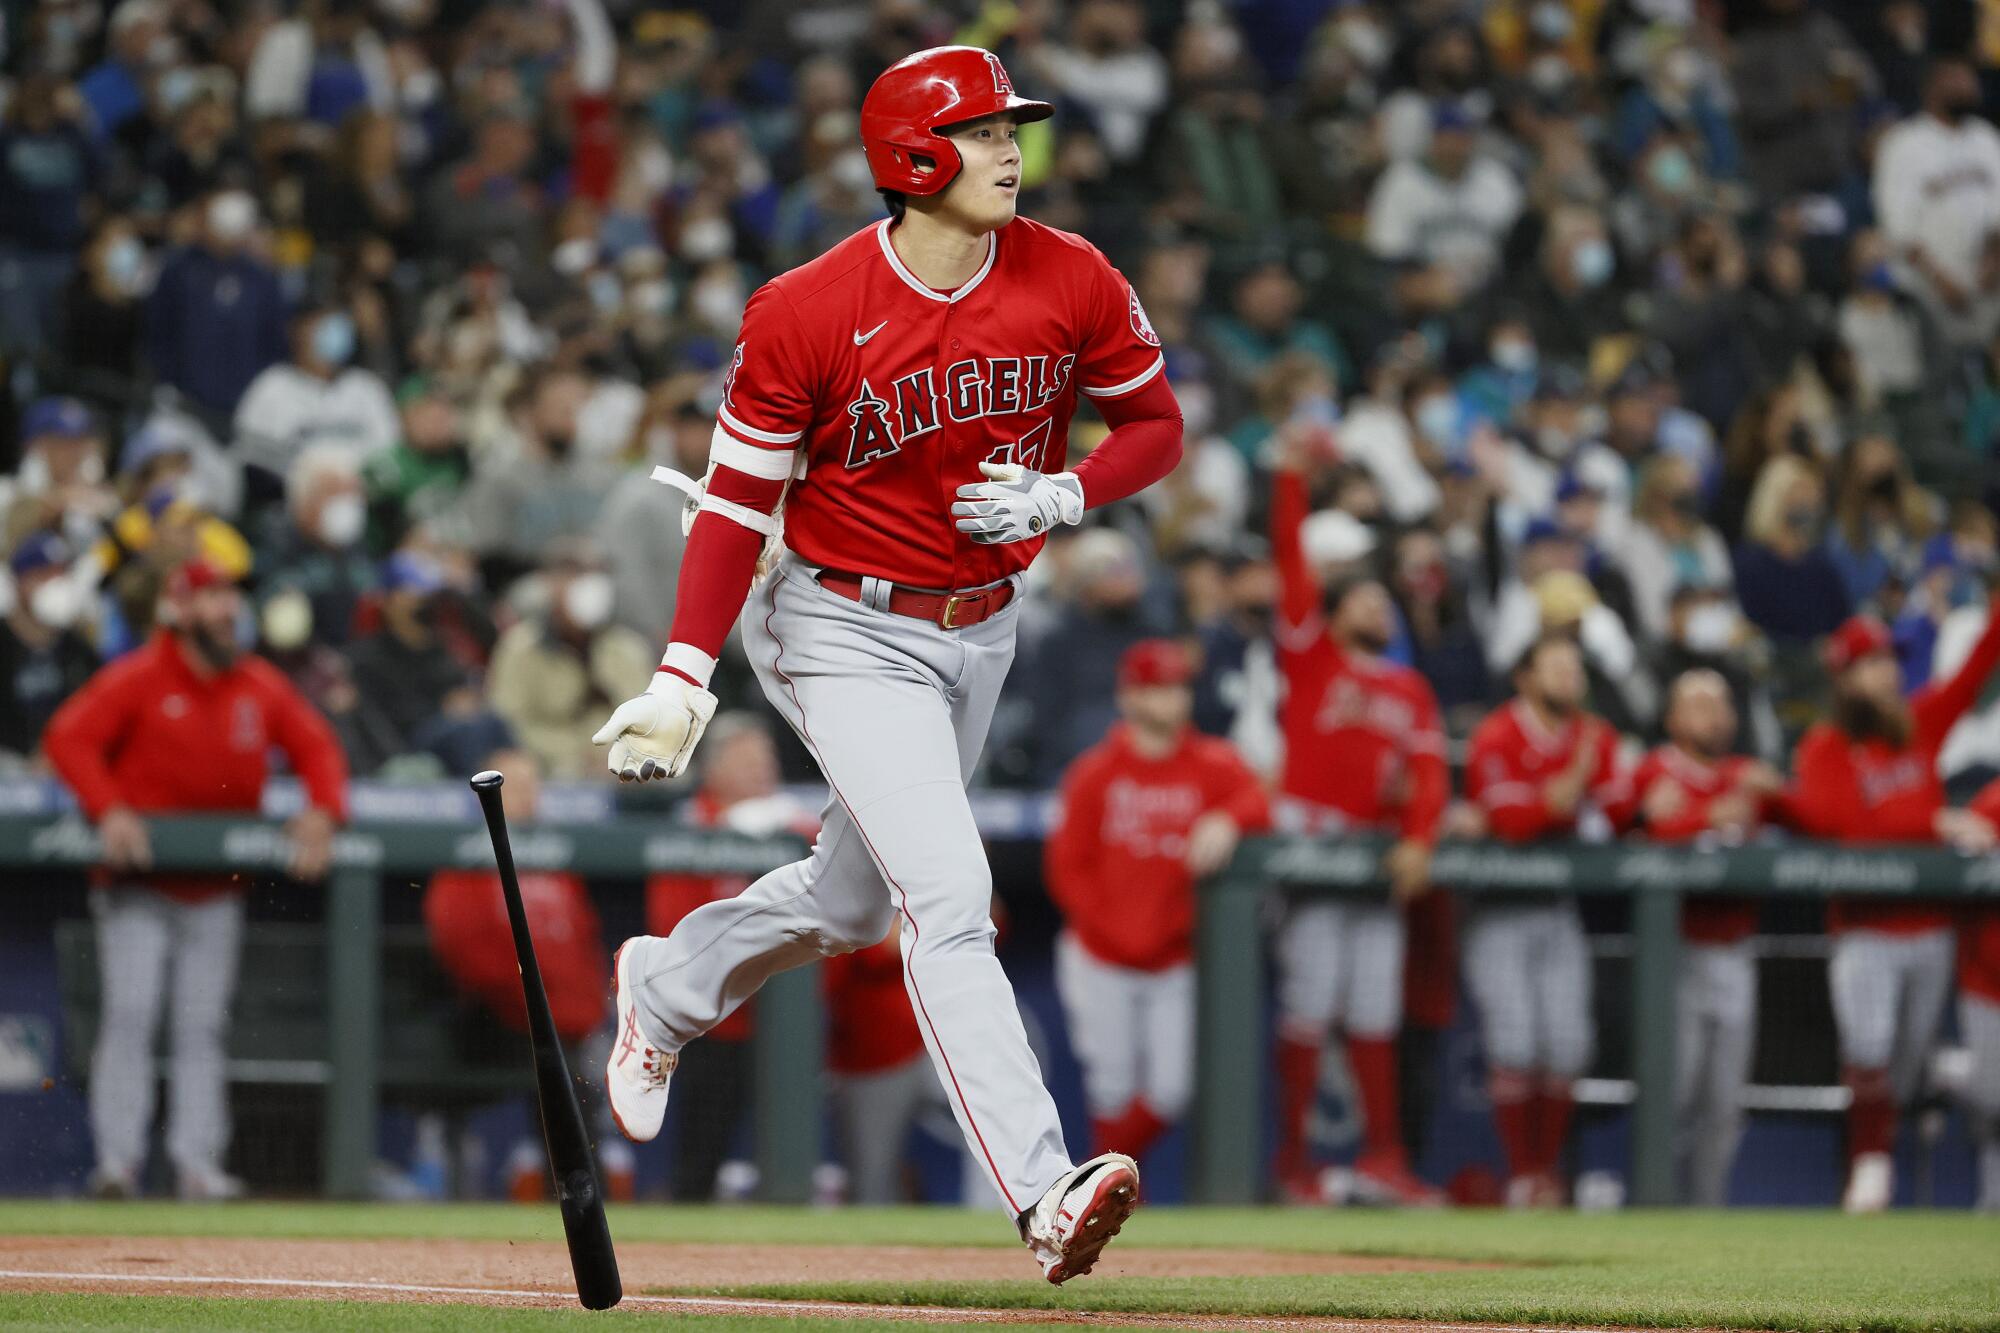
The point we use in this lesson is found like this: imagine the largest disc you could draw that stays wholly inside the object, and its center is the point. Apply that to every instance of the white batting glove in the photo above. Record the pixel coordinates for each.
(1016, 504)
(654, 735)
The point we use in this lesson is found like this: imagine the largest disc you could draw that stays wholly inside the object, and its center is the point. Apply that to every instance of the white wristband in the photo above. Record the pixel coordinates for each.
(689, 661)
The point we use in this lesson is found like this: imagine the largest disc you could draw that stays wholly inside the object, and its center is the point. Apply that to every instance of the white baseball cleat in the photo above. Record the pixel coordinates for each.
(1080, 1214)
(636, 1074)
(1871, 1183)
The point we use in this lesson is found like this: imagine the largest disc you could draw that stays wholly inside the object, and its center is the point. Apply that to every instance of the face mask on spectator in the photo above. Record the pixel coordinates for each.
(341, 520)
(1711, 629)
(1551, 21)
(573, 256)
(1437, 418)
(705, 239)
(175, 87)
(231, 215)
(607, 294)
(421, 87)
(163, 50)
(288, 620)
(587, 600)
(1516, 356)
(850, 172)
(1671, 170)
(1591, 262)
(718, 305)
(1555, 442)
(333, 339)
(1367, 42)
(652, 297)
(56, 602)
(125, 265)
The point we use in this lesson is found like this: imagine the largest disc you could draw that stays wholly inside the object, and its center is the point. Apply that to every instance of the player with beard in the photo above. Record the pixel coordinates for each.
(1364, 751)
(1694, 787)
(1535, 764)
(1870, 774)
(183, 723)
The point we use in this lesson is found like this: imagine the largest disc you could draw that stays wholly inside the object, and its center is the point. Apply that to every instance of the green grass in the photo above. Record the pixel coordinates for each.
(1906, 1272)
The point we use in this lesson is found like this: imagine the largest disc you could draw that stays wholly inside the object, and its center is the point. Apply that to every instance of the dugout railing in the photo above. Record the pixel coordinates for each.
(1228, 1166)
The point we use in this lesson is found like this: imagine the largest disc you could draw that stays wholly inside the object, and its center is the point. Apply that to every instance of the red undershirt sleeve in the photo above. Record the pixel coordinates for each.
(1144, 444)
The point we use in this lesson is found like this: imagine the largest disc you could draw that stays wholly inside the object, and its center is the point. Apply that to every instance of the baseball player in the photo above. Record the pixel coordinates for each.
(1693, 787)
(1148, 810)
(1979, 1025)
(1364, 749)
(1533, 768)
(906, 397)
(185, 722)
(1869, 774)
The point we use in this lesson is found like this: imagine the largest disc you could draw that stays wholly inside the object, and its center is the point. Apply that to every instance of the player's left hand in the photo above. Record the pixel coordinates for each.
(1016, 503)
(1211, 842)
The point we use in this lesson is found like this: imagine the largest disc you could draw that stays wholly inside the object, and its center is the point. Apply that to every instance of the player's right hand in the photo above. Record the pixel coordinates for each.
(654, 735)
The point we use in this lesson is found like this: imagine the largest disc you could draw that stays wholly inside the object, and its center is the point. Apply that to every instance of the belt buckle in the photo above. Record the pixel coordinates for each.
(946, 617)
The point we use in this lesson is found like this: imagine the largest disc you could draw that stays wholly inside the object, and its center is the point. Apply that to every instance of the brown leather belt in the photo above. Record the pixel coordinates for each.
(946, 610)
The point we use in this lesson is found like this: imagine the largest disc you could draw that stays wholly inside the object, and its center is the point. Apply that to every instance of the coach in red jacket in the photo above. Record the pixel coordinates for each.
(1869, 774)
(1145, 812)
(184, 723)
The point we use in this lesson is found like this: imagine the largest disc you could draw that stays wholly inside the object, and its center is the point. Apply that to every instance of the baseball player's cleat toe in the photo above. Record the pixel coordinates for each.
(636, 1074)
(1871, 1183)
(1080, 1214)
(1387, 1179)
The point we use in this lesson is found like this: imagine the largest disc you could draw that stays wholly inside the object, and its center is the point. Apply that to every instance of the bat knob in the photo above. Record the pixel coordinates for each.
(487, 781)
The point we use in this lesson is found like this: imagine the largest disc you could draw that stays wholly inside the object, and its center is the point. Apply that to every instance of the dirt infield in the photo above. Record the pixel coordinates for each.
(536, 1274)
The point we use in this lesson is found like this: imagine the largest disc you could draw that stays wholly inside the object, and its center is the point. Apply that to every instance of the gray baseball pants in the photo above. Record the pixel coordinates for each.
(895, 711)
(153, 953)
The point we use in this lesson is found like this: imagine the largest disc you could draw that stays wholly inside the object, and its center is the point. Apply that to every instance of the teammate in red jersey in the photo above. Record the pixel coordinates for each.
(1364, 749)
(1146, 811)
(1535, 765)
(1690, 788)
(1869, 774)
(906, 399)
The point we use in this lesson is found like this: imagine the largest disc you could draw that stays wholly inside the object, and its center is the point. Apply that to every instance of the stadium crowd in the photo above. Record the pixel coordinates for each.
(1583, 378)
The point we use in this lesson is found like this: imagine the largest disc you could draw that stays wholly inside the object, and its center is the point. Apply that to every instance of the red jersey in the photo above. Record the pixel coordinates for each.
(150, 733)
(466, 918)
(1705, 919)
(1362, 736)
(1846, 790)
(895, 392)
(1116, 863)
(1514, 758)
(869, 1023)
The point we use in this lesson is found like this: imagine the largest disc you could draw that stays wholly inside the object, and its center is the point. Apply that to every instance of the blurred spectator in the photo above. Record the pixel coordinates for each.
(1444, 643)
(1881, 519)
(1236, 692)
(1568, 294)
(1937, 192)
(532, 488)
(1266, 328)
(1535, 767)
(1869, 773)
(318, 65)
(141, 43)
(1146, 812)
(1798, 79)
(645, 520)
(313, 548)
(420, 476)
(103, 319)
(1668, 543)
(1788, 584)
(1442, 218)
(48, 167)
(488, 206)
(566, 662)
(1694, 788)
(1880, 331)
(216, 317)
(44, 656)
(1706, 631)
(1551, 593)
(60, 485)
(183, 724)
(1109, 73)
(880, 1078)
(1223, 176)
(315, 398)
(1072, 661)
(739, 791)
(412, 692)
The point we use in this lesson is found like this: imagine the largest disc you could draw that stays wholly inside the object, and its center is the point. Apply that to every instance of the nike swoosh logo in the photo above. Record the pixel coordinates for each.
(861, 338)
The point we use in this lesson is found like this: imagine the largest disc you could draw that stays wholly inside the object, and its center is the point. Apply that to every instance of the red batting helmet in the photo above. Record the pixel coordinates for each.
(923, 93)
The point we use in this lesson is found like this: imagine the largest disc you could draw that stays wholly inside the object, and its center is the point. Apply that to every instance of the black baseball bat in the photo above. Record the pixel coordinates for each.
(578, 1189)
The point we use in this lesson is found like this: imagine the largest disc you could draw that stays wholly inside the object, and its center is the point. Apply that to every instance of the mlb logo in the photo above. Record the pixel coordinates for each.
(1001, 84)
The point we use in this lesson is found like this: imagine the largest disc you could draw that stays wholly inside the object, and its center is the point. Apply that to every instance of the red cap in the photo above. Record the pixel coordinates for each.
(1155, 662)
(1857, 637)
(195, 575)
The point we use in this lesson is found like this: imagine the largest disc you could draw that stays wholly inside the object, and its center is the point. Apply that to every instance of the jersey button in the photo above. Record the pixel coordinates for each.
(954, 344)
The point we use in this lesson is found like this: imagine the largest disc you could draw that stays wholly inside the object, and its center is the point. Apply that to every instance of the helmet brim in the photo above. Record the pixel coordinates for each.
(1024, 110)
